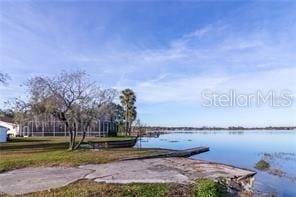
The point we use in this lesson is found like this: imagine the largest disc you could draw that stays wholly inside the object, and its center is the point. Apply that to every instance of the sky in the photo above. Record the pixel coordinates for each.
(169, 53)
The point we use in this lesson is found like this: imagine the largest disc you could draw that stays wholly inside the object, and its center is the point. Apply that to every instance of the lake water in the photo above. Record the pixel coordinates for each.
(242, 149)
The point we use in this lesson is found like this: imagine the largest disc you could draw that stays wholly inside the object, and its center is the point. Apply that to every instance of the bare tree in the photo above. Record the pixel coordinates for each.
(70, 98)
(4, 78)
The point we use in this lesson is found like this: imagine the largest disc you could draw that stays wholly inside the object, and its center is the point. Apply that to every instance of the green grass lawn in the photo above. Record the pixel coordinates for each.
(36, 142)
(91, 188)
(63, 139)
(202, 188)
(53, 152)
(13, 159)
(20, 153)
(19, 140)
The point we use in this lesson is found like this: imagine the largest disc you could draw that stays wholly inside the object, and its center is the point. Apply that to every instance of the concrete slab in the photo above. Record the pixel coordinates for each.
(37, 179)
(180, 170)
(159, 170)
(134, 171)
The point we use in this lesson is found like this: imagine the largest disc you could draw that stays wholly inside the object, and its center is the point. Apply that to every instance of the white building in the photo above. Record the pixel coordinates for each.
(13, 129)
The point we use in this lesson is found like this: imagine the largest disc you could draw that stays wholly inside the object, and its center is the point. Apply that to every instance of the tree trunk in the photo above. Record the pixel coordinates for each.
(68, 129)
(71, 145)
(74, 135)
(130, 128)
(82, 139)
(126, 128)
(126, 121)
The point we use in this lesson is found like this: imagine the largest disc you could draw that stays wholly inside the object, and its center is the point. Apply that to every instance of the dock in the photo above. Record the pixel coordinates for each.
(188, 152)
(175, 153)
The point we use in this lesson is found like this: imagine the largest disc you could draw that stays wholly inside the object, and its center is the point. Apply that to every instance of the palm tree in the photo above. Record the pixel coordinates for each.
(128, 99)
(132, 115)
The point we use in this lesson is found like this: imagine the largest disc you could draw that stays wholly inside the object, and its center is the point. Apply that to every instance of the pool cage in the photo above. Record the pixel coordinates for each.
(98, 128)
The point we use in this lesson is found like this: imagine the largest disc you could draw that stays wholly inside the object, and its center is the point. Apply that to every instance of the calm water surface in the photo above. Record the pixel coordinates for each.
(243, 149)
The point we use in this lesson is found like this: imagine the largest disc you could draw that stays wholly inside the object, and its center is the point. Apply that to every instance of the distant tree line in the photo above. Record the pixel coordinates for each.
(159, 128)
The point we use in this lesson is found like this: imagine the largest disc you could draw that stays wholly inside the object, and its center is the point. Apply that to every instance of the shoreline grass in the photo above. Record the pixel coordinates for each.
(262, 165)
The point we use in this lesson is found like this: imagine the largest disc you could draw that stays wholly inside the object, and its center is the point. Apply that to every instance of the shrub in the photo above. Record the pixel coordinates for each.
(262, 165)
(209, 188)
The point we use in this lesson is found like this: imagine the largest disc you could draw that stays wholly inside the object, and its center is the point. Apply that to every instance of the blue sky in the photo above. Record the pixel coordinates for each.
(168, 52)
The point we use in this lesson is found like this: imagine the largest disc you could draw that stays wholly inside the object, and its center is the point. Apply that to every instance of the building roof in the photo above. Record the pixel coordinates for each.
(3, 127)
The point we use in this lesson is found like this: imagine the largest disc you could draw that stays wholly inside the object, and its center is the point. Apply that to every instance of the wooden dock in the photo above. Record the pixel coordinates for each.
(176, 153)
(188, 152)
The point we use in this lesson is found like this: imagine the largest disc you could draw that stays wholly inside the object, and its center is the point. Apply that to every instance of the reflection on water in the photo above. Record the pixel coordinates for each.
(243, 149)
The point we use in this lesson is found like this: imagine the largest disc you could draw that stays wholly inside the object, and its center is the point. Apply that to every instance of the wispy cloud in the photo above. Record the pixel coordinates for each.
(182, 89)
(165, 59)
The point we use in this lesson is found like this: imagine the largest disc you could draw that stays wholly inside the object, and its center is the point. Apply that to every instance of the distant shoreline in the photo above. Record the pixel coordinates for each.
(154, 129)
